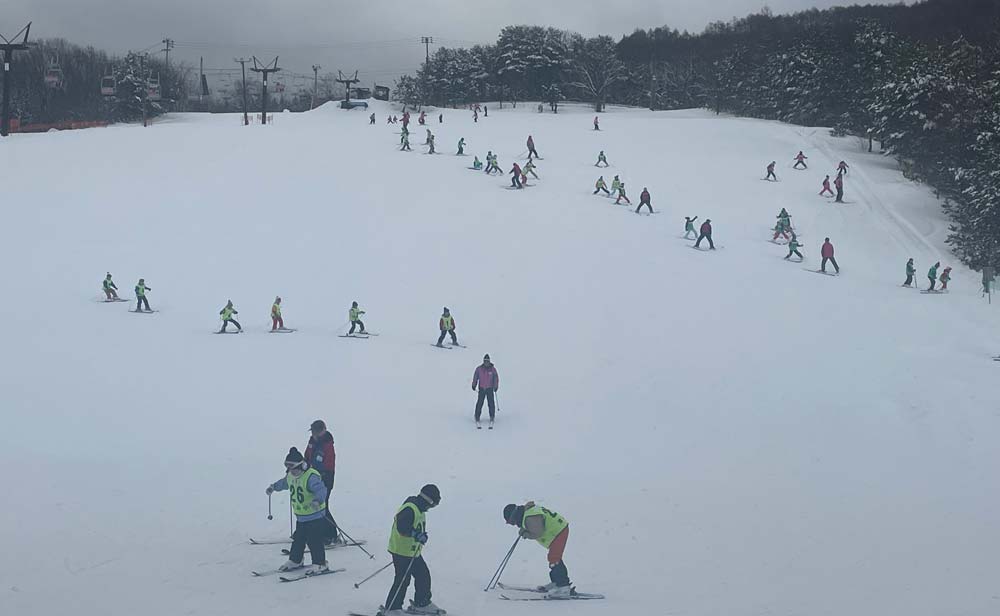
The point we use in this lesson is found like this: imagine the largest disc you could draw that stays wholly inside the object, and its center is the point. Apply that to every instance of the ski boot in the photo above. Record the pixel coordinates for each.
(290, 566)
(560, 592)
(429, 608)
(315, 569)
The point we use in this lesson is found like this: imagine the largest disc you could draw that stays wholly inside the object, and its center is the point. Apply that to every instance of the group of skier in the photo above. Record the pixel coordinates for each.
(932, 277)
(618, 189)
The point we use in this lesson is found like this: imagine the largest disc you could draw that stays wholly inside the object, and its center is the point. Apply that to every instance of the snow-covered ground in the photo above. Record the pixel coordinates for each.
(726, 432)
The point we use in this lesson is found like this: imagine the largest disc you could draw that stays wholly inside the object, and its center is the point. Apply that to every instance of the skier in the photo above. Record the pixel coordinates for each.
(770, 172)
(488, 381)
(932, 275)
(515, 171)
(601, 158)
(621, 194)
(110, 289)
(486, 111)
(839, 183)
(440, 118)
(389, 119)
(423, 118)
(910, 272)
(531, 148)
(477, 164)
(430, 141)
(428, 138)
(461, 147)
(354, 314)
(227, 317)
(403, 134)
(597, 123)
(793, 248)
(551, 531)
(321, 455)
(601, 185)
(786, 218)
(689, 227)
(800, 159)
(705, 234)
(140, 296)
(781, 228)
(371, 119)
(276, 321)
(841, 168)
(529, 167)
(827, 253)
(644, 200)
(307, 495)
(615, 184)
(945, 277)
(406, 143)
(447, 325)
(826, 187)
(406, 540)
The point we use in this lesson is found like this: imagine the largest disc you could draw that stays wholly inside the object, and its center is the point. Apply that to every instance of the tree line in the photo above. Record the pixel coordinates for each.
(922, 80)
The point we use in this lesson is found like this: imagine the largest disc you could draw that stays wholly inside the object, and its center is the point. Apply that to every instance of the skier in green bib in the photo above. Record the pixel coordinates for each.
(793, 248)
(615, 184)
(529, 167)
(551, 531)
(601, 185)
(110, 290)
(932, 275)
(601, 158)
(227, 317)
(308, 496)
(477, 164)
(689, 227)
(140, 296)
(461, 147)
(407, 538)
(447, 325)
(354, 314)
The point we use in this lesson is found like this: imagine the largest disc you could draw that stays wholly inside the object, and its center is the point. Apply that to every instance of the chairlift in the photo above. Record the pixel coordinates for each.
(108, 85)
(279, 87)
(54, 74)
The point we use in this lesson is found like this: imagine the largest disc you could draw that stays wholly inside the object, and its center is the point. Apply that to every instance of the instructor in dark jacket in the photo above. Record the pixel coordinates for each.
(321, 456)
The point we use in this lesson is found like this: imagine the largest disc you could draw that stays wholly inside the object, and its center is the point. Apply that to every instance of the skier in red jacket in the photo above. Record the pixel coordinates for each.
(644, 200)
(515, 181)
(800, 159)
(827, 253)
(531, 148)
(826, 187)
(321, 456)
(706, 234)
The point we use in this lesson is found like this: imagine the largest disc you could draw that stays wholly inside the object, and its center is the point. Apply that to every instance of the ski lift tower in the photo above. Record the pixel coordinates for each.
(347, 81)
(264, 70)
(9, 47)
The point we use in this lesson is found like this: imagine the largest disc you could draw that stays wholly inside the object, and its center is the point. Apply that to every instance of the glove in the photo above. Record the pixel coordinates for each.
(473, 388)
(522, 533)
(269, 490)
(420, 537)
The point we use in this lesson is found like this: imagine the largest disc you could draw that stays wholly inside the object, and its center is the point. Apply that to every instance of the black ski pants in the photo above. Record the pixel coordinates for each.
(486, 393)
(770, 174)
(822, 266)
(354, 324)
(312, 534)
(933, 282)
(840, 195)
(646, 203)
(801, 162)
(793, 251)
(444, 332)
(421, 582)
(533, 152)
(705, 236)
(233, 321)
(515, 181)
(909, 280)
(140, 301)
(331, 531)
(559, 574)
(600, 188)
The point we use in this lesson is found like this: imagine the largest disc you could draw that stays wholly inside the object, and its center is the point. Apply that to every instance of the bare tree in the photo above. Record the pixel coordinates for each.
(595, 68)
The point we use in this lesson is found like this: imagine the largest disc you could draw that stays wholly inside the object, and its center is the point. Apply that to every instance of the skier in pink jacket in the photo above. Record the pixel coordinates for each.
(488, 382)
(827, 253)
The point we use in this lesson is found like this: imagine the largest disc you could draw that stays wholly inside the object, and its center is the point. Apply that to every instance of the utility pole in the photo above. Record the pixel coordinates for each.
(145, 86)
(264, 70)
(168, 44)
(243, 65)
(316, 68)
(9, 47)
(426, 40)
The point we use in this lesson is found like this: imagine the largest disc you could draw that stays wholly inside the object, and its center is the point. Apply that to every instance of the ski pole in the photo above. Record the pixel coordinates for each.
(404, 578)
(351, 539)
(497, 394)
(503, 565)
(291, 529)
(358, 585)
(269, 516)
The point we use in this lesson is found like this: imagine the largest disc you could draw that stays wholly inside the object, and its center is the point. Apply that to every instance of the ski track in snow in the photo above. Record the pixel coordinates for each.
(724, 435)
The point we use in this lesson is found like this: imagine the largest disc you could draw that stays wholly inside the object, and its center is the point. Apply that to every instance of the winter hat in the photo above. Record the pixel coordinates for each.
(508, 513)
(319, 424)
(446, 309)
(486, 357)
(294, 456)
(431, 494)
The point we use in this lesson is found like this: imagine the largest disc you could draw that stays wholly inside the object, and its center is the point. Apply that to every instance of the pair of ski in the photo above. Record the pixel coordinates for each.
(295, 575)
(282, 330)
(933, 292)
(536, 593)
(819, 271)
(361, 335)
(449, 346)
(287, 541)
(111, 301)
(408, 610)
(143, 311)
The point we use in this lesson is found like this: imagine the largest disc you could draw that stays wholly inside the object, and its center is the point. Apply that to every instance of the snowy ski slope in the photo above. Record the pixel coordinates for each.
(726, 433)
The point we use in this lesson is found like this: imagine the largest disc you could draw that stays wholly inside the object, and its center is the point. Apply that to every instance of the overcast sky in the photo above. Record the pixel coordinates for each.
(381, 38)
